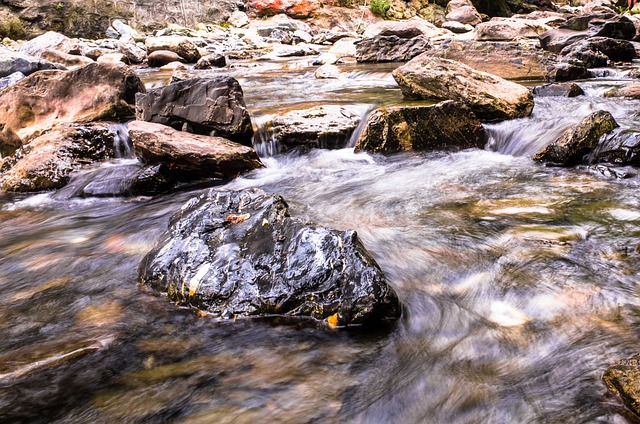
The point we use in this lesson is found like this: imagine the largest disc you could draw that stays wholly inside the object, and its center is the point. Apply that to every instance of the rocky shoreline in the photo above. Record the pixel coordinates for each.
(234, 254)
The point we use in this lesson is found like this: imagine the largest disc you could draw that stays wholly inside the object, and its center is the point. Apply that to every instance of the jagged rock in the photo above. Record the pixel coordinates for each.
(327, 126)
(190, 155)
(596, 52)
(619, 148)
(444, 126)
(630, 90)
(558, 90)
(51, 41)
(47, 161)
(506, 29)
(623, 379)
(519, 59)
(390, 48)
(583, 27)
(11, 62)
(489, 97)
(404, 29)
(93, 92)
(240, 254)
(182, 46)
(576, 142)
(129, 48)
(125, 30)
(161, 58)
(211, 61)
(209, 106)
(568, 71)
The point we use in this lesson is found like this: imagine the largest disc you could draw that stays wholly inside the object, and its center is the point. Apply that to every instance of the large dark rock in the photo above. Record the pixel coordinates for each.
(47, 98)
(240, 254)
(188, 155)
(558, 90)
(583, 27)
(596, 52)
(623, 379)
(160, 58)
(48, 160)
(327, 127)
(619, 148)
(572, 145)
(390, 48)
(447, 125)
(489, 97)
(568, 71)
(209, 106)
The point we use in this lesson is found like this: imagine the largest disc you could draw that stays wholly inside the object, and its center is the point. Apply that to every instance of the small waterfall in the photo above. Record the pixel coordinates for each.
(264, 141)
(109, 179)
(357, 132)
(121, 143)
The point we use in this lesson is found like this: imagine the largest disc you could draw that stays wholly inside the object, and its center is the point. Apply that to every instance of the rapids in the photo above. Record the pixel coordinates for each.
(518, 283)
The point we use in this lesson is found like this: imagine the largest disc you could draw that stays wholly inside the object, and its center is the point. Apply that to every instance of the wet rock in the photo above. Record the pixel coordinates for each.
(596, 52)
(10, 80)
(327, 126)
(390, 48)
(51, 41)
(47, 161)
(506, 29)
(211, 61)
(189, 155)
(182, 46)
(623, 379)
(327, 72)
(619, 148)
(488, 96)
(570, 148)
(161, 58)
(241, 254)
(445, 126)
(294, 8)
(11, 62)
(568, 71)
(558, 90)
(557, 39)
(586, 26)
(619, 27)
(519, 59)
(93, 92)
(211, 106)
(630, 90)
(610, 172)
(65, 59)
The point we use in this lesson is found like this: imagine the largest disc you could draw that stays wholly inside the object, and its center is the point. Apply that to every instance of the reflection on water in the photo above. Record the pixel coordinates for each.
(518, 284)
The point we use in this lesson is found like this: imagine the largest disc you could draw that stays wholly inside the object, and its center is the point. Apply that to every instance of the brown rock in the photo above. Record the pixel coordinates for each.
(191, 155)
(446, 125)
(161, 58)
(576, 142)
(65, 59)
(182, 46)
(624, 380)
(294, 8)
(47, 98)
(631, 90)
(489, 97)
(507, 29)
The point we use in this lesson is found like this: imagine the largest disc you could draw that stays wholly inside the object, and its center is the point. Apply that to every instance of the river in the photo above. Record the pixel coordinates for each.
(518, 284)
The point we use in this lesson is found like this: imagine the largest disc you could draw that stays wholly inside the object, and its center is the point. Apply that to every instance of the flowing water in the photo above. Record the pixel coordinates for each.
(518, 283)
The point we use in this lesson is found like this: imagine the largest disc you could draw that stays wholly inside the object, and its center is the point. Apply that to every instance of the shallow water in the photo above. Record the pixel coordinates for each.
(518, 284)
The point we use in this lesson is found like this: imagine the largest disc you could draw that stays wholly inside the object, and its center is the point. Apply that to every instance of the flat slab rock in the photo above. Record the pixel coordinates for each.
(240, 254)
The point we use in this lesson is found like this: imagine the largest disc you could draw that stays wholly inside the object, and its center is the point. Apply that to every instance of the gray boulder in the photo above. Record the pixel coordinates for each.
(619, 148)
(211, 61)
(51, 41)
(576, 142)
(558, 90)
(390, 48)
(11, 62)
(208, 106)
(240, 254)
(446, 126)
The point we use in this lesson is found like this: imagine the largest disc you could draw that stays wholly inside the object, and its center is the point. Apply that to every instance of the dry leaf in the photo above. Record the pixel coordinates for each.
(237, 219)
(333, 320)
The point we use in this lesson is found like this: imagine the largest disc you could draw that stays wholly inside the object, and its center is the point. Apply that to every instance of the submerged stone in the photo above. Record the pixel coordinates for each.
(239, 253)
(624, 380)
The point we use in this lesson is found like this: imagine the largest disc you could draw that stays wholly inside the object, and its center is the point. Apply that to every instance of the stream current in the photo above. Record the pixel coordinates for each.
(518, 284)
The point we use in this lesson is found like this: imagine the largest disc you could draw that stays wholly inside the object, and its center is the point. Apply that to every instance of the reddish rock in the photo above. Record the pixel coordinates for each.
(293, 8)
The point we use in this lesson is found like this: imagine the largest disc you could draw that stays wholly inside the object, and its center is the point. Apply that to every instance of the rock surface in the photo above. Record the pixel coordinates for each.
(182, 46)
(390, 48)
(327, 126)
(209, 106)
(11, 62)
(505, 29)
(489, 97)
(47, 98)
(576, 142)
(190, 155)
(630, 90)
(558, 90)
(619, 148)
(161, 58)
(447, 125)
(624, 380)
(240, 254)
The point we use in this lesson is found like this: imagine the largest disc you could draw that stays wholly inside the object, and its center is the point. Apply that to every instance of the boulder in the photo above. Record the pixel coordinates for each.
(161, 58)
(596, 52)
(294, 8)
(47, 161)
(344, 47)
(125, 30)
(623, 379)
(444, 126)
(506, 29)
(51, 41)
(490, 97)
(558, 90)
(11, 62)
(573, 144)
(112, 58)
(65, 59)
(619, 148)
(466, 15)
(404, 29)
(208, 106)
(327, 72)
(583, 27)
(182, 46)
(240, 254)
(47, 98)
(557, 39)
(518, 59)
(390, 48)
(134, 53)
(630, 90)
(238, 19)
(327, 126)
(211, 61)
(568, 71)
(457, 27)
(190, 155)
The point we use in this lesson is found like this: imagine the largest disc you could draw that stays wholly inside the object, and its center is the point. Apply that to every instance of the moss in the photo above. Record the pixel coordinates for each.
(12, 28)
